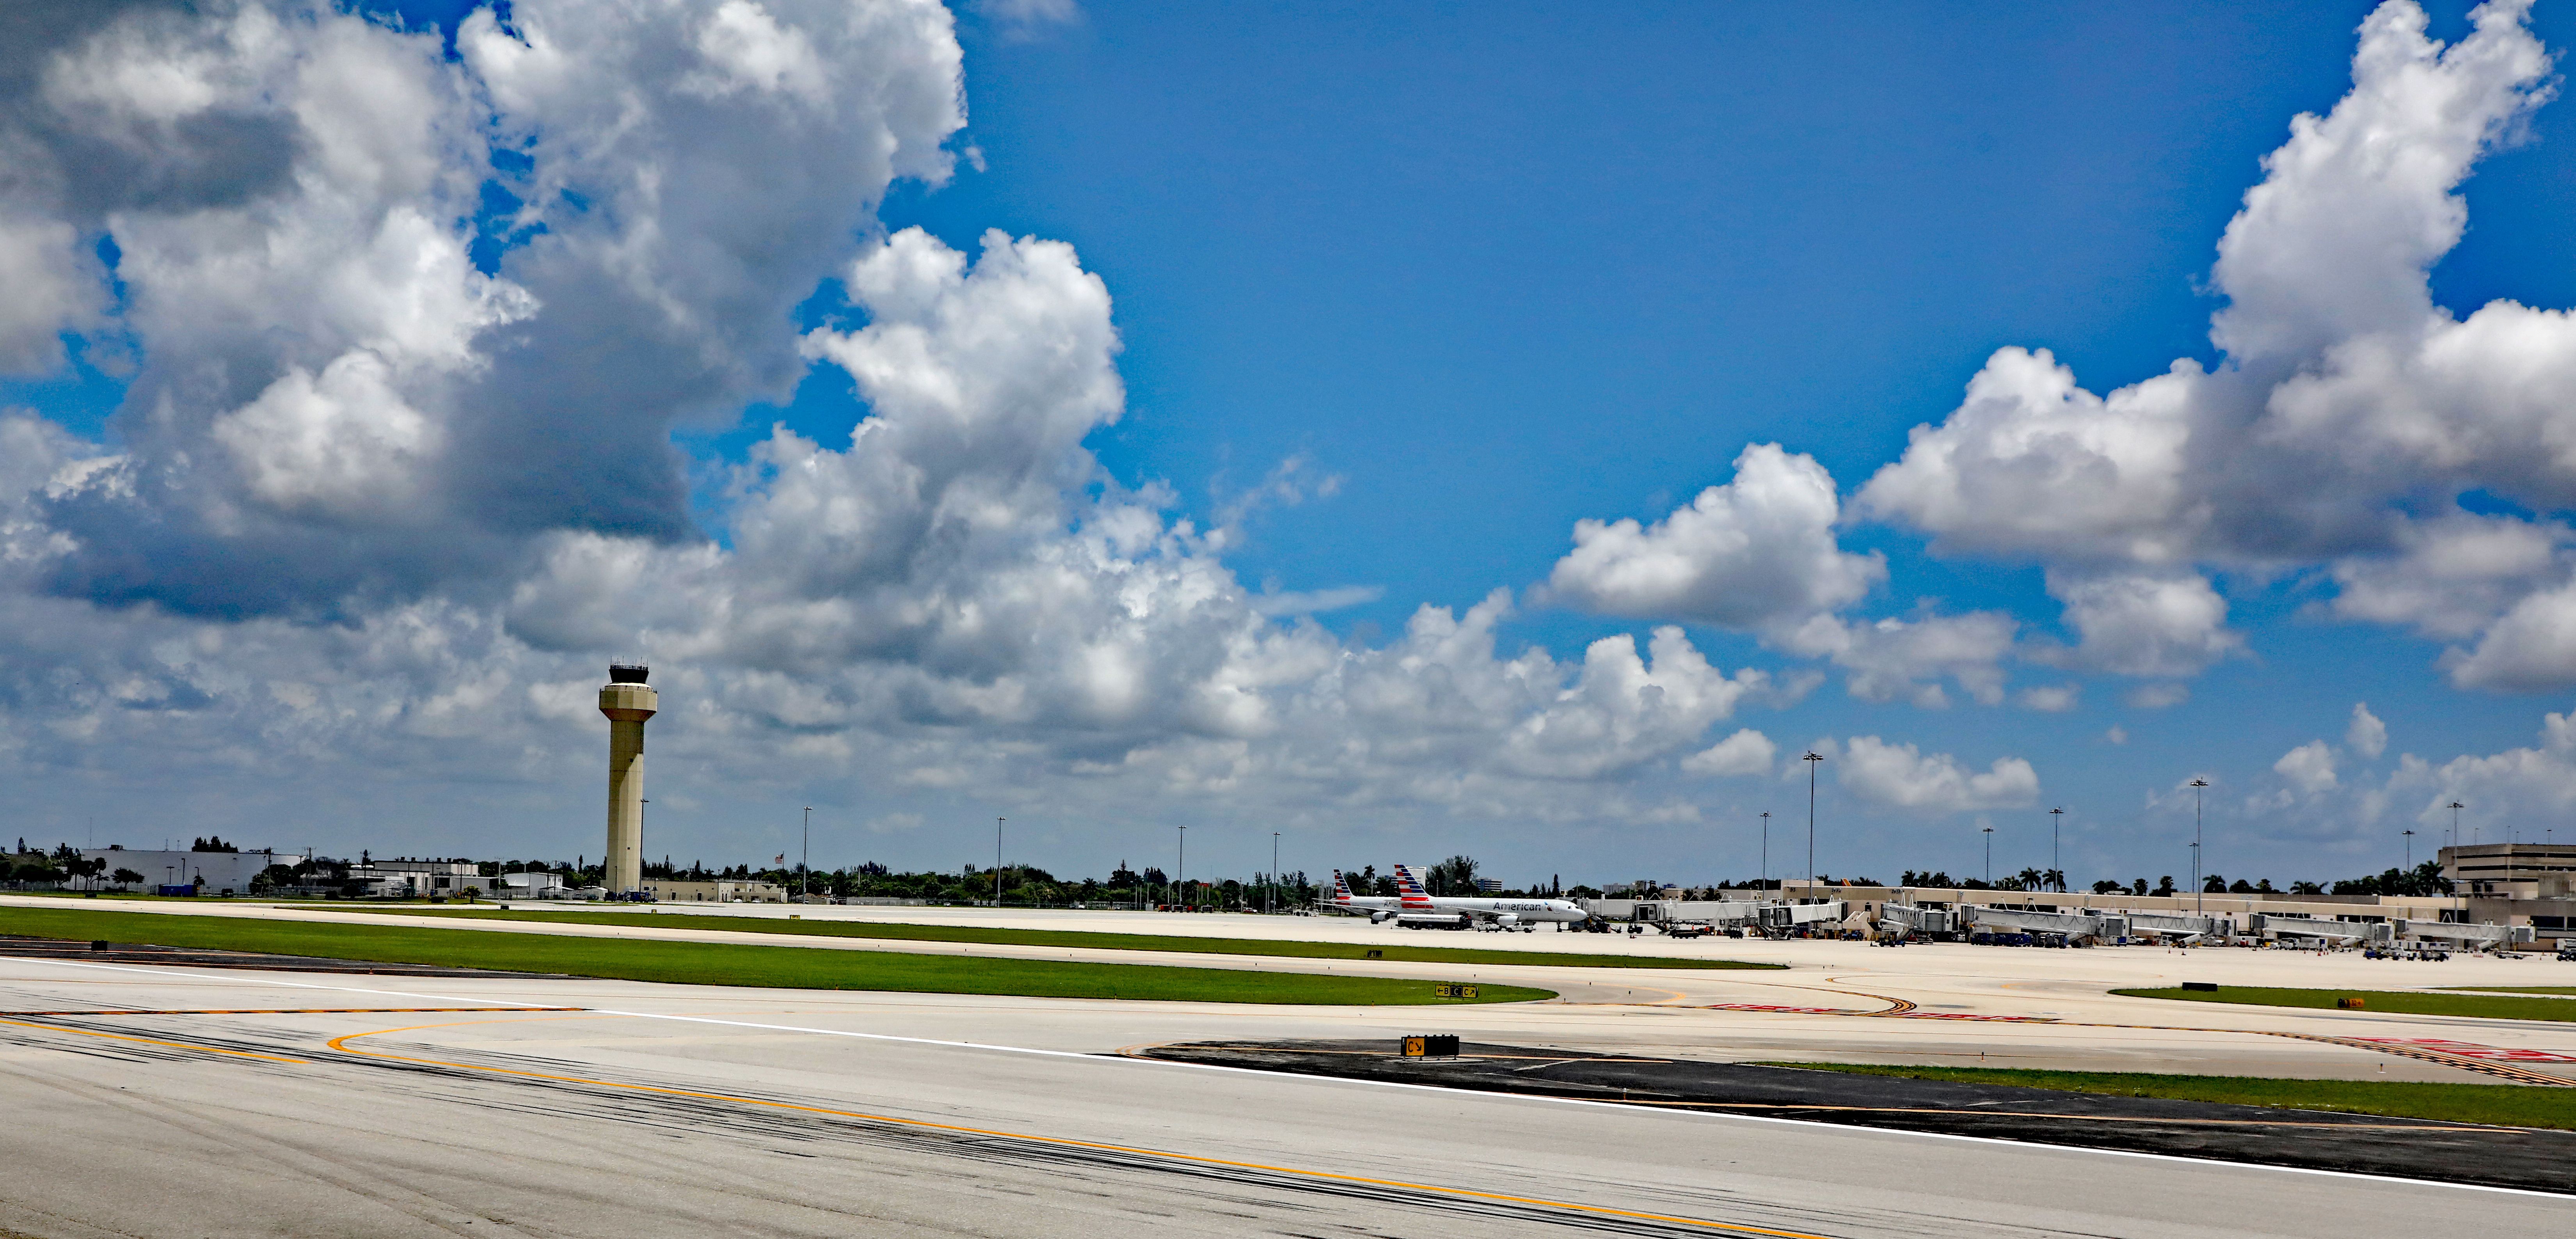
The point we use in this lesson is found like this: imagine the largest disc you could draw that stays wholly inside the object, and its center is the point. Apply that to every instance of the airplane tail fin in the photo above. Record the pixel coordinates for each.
(1414, 895)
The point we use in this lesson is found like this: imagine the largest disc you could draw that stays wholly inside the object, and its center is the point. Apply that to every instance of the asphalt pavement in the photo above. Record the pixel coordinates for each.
(2312, 1139)
(1932, 1004)
(150, 1100)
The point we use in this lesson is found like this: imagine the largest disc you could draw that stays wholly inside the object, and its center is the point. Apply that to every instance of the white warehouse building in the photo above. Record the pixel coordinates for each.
(212, 873)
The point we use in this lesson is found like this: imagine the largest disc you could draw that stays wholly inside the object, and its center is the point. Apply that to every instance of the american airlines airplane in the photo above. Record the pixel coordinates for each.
(1378, 908)
(1423, 910)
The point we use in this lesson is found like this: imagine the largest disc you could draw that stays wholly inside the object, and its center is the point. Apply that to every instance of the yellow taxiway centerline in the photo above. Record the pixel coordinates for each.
(175, 1045)
(341, 1044)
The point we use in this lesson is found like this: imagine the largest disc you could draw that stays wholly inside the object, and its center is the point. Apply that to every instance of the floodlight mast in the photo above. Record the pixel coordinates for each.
(1812, 758)
(2196, 893)
(2055, 865)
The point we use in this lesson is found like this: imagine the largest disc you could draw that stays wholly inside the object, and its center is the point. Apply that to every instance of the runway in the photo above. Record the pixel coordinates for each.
(258, 1103)
(1836, 1001)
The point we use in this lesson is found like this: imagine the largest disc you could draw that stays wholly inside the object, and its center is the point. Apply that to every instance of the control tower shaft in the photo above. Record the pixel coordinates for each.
(627, 701)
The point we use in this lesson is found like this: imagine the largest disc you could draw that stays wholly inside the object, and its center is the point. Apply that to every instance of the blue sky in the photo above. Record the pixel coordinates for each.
(1510, 267)
(1482, 273)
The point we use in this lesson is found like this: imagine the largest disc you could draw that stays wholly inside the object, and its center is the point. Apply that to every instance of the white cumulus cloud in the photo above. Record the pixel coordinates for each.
(2309, 767)
(1903, 659)
(1746, 752)
(467, 470)
(2533, 784)
(2051, 698)
(2366, 734)
(2347, 397)
(2532, 646)
(1901, 776)
(1754, 552)
(338, 404)
(2144, 624)
(2451, 576)
(52, 288)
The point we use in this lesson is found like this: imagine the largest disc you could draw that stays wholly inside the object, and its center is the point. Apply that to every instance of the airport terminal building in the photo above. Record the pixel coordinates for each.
(2516, 884)
(2503, 896)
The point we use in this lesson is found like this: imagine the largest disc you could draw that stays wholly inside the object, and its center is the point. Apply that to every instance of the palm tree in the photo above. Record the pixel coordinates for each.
(2056, 878)
(2031, 879)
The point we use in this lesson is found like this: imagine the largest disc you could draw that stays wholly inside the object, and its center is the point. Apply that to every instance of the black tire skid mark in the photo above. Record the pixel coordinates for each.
(699, 1116)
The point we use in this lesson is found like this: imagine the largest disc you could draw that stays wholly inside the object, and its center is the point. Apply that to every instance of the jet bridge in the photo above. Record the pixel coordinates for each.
(1916, 920)
(2072, 924)
(1722, 913)
(2484, 936)
(1725, 914)
(1781, 917)
(2176, 925)
(2367, 933)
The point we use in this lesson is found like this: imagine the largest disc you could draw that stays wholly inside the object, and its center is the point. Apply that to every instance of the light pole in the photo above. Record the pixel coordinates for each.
(1766, 848)
(1270, 891)
(2054, 865)
(2455, 807)
(1990, 857)
(2410, 849)
(805, 859)
(1811, 759)
(2196, 883)
(997, 864)
(1181, 866)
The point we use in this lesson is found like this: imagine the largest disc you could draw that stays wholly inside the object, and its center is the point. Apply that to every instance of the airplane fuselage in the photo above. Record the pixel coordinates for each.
(1374, 907)
(1502, 913)
(1521, 910)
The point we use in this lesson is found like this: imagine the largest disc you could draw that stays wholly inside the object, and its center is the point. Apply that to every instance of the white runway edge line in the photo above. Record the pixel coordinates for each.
(2023, 1145)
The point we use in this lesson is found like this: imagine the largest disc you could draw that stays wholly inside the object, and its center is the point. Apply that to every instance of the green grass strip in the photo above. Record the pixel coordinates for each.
(1095, 939)
(2508, 1105)
(2565, 990)
(2401, 1002)
(719, 963)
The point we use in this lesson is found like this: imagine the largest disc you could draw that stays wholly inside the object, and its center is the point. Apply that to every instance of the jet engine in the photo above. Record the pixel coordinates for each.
(1434, 920)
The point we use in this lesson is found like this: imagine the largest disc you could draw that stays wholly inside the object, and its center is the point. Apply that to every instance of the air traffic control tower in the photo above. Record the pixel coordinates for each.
(627, 701)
